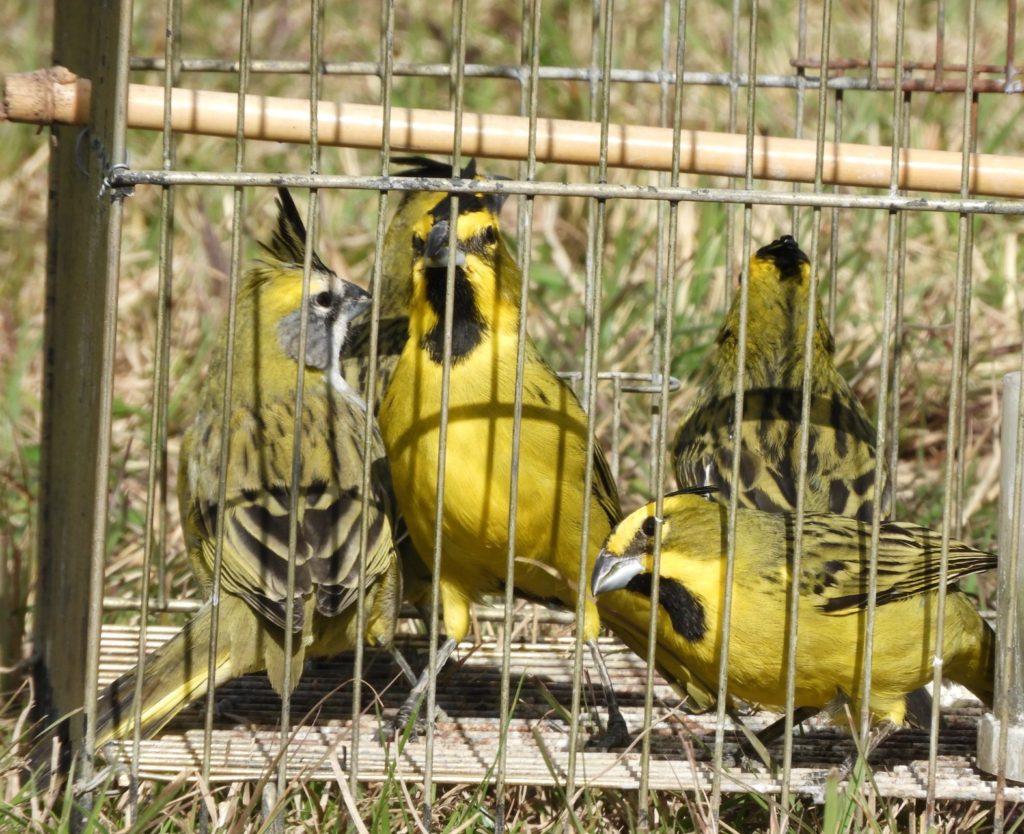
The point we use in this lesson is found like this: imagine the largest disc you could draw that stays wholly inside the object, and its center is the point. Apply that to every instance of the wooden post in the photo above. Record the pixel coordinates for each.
(76, 424)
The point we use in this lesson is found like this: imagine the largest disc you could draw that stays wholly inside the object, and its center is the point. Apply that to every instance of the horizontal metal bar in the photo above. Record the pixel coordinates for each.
(519, 74)
(481, 612)
(605, 191)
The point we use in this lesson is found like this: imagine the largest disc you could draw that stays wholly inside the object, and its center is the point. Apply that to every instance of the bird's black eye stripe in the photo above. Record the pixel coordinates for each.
(417, 245)
(490, 234)
(650, 526)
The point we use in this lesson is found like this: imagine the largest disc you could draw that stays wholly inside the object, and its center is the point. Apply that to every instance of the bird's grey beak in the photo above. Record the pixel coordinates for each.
(354, 301)
(436, 250)
(611, 572)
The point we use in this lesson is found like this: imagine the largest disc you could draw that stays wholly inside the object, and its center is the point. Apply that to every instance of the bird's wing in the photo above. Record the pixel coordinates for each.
(908, 562)
(330, 508)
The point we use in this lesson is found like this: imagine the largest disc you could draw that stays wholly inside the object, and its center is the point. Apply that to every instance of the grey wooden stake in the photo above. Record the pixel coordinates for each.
(1009, 707)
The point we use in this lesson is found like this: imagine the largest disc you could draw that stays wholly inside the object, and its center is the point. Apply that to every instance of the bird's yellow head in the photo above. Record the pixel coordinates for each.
(626, 562)
(269, 306)
(487, 281)
(627, 558)
(397, 253)
(777, 298)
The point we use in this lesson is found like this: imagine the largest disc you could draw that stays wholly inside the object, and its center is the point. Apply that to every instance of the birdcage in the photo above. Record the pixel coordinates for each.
(646, 150)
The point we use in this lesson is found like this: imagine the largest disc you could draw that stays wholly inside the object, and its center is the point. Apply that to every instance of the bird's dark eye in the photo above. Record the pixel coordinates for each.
(322, 299)
(649, 526)
(490, 234)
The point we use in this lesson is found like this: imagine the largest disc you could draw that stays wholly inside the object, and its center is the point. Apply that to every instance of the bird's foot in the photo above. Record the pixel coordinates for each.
(617, 735)
(403, 725)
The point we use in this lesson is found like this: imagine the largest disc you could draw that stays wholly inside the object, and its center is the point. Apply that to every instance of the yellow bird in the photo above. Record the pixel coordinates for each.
(259, 490)
(393, 332)
(841, 450)
(832, 610)
(552, 454)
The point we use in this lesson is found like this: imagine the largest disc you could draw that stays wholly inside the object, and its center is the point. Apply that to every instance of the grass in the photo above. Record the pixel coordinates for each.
(702, 283)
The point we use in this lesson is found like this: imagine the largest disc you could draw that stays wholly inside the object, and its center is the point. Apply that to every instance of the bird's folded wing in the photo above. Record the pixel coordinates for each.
(909, 563)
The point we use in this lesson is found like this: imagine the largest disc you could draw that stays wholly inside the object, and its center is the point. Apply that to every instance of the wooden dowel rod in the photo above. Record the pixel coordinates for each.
(57, 95)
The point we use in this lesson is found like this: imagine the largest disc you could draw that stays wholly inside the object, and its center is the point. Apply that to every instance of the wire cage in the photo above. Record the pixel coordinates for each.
(646, 151)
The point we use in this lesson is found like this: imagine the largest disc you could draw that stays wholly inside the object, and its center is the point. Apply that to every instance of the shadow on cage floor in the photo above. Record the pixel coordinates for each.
(248, 711)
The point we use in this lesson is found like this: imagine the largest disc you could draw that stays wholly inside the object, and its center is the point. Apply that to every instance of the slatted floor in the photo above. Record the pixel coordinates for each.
(246, 745)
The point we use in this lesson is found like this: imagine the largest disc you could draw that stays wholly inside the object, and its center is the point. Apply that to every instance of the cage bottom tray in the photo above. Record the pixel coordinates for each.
(325, 741)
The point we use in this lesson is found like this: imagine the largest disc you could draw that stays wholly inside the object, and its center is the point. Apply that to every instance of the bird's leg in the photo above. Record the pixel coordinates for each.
(412, 701)
(875, 737)
(403, 666)
(757, 744)
(617, 733)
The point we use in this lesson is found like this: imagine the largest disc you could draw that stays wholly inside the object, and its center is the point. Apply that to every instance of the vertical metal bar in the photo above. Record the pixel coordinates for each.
(792, 634)
(873, 56)
(156, 488)
(897, 347)
(960, 485)
(458, 96)
(1011, 40)
(730, 210)
(940, 42)
(741, 356)
(312, 215)
(661, 361)
(530, 53)
(592, 305)
(387, 50)
(98, 543)
(883, 385)
(801, 95)
(833, 249)
(229, 365)
(956, 402)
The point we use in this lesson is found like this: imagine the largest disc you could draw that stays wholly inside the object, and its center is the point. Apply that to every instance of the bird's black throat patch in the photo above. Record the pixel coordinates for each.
(468, 326)
(684, 609)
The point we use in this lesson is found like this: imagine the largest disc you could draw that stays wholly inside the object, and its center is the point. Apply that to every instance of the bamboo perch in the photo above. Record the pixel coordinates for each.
(59, 96)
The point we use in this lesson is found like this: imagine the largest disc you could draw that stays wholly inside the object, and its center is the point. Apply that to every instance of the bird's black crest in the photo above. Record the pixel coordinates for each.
(288, 244)
(787, 255)
(424, 166)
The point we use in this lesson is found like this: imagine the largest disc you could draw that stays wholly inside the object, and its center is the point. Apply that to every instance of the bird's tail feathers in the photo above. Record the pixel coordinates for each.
(174, 675)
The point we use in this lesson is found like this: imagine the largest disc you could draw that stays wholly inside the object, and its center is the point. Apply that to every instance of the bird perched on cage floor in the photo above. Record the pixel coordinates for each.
(552, 452)
(841, 445)
(832, 614)
(395, 294)
(258, 490)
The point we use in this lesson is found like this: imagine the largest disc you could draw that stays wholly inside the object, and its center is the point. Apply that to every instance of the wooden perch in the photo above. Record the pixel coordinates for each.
(58, 96)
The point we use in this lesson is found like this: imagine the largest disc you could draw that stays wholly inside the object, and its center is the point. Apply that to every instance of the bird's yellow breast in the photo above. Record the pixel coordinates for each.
(479, 466)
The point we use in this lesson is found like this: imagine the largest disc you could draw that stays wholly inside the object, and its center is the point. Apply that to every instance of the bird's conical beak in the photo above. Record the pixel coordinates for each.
(355, 301)
(612, 572)
(436, 250)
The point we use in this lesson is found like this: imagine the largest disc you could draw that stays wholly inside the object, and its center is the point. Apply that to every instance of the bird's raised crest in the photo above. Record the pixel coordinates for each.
(288, 244)
(425, 166)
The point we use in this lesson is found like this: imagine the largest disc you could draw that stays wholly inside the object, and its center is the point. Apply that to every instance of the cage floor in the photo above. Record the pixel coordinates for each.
(245, 743)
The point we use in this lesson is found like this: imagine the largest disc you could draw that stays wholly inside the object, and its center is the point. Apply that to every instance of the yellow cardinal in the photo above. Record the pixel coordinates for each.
(841, 447)
(259, 489)
(552, 454)
(832, 611)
